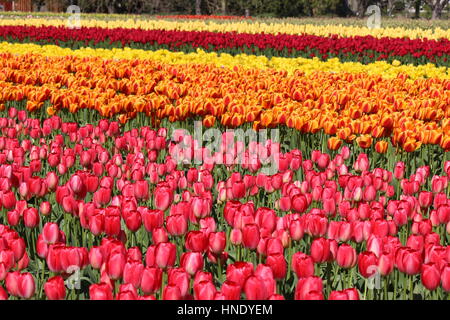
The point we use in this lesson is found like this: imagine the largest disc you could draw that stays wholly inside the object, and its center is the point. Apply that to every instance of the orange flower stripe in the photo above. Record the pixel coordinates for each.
(347, 106)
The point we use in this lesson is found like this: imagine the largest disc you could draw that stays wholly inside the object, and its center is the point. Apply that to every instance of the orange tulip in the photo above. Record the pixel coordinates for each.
(445, 144)
(209, 121)
(334, 143)
(411, 145)
(364, 141)
(381, 147)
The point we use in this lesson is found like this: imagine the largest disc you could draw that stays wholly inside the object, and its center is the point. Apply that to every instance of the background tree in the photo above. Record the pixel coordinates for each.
(437, 6)
(417, 6)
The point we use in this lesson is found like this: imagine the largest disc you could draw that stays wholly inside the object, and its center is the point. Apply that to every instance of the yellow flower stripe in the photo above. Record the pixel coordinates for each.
(248, 61)
(240, 26)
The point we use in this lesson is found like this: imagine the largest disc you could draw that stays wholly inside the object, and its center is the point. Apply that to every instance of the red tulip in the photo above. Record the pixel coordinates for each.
(430, 276)
(96, 257)
(385, 264)
(367, 264)
(217, 242)
(12, 283)
(41, 247)
(296, 230)
(250, 236)
(165, 255)
(425, 199)
(408, 260)
(115, 265)
(445, 277)
(100, 291)
(231, 290)
(151, 280)
(285, 204)
(265, 273)
(163, 197)
(141, 190)
(55, 288)
(302, 265)
(13, 218)
(205, 290)
(112, 222)
(255, 289)
(236, 237)
(347, 294)
(50, 232)
(152, 219)
(8, 200)
(45, 208)
(180, 278)
(320, 250)
(176, 225)
(31, 217)
(399, 170)
(159, 235)
(102, 196)
(26, 286)
(370, 193)
(309, 289)
(299, 203)
(18, 247)
(132, 219)
(278, 264)
(239, 272)
(132, 273)
(346, 256)
(97, 223)
(192, 262)
(238, 190)
(171, 292)
(196, 241)
(3, 294)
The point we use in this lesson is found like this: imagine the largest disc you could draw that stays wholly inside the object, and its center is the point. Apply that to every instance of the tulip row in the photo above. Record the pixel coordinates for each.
(365, 49)
(256, 26)
(133, 218)
(290, 65)
(204, 17)
(340, 107)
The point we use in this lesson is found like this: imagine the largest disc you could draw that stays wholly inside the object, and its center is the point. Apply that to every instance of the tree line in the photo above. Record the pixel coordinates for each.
(265, 8)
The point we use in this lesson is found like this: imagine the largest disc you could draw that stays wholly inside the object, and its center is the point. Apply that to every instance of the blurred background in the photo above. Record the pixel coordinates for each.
(426, 9)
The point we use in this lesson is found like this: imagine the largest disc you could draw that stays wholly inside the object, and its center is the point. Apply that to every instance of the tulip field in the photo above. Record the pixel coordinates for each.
(223, 158)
